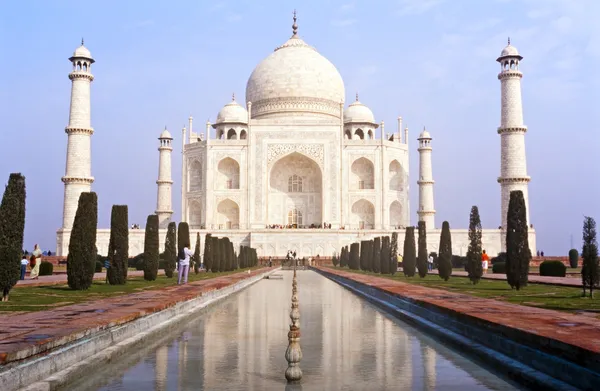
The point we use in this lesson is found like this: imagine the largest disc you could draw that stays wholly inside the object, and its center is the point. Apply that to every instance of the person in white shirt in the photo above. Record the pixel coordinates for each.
(430, 263)
(184, 264)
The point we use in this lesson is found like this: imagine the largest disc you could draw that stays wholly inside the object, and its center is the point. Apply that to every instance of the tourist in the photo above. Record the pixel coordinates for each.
(270, 261)
(399, 259)
(484, 262)
(24, 263)
(35, 264)
(430, 263)
(184, 263)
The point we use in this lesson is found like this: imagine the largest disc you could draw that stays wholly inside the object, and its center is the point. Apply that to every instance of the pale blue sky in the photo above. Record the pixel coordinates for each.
(430, 61)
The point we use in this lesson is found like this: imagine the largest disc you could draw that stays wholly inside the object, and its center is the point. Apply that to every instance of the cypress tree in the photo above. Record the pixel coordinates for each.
(394, 254)
(409, 261)
(422, 257)
(183, 237)
(171, 253)
(474, 267)
(241, 257)
(377, 255)
(518, 254)
(197, 254)
(354, 256)
(214, 254)
(118, 245)
(208, 252)
(343, 257)
(369, 255)
(81, 261)
(228, 255)
(12, 227)
(222, 259)
(384, 264)
(151, 248)
(363, 255)
(589, 253)
(445, 253)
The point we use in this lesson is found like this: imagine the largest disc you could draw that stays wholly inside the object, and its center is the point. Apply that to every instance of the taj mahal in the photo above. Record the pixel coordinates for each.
(295, 167)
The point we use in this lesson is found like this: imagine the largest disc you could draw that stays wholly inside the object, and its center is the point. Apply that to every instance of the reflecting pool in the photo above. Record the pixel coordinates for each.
(239, 344)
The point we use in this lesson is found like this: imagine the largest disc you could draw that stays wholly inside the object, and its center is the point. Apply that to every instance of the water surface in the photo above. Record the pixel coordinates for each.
(239, 344)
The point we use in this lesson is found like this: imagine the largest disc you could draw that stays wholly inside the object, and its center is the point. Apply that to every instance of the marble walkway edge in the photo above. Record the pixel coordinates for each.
(29, 334)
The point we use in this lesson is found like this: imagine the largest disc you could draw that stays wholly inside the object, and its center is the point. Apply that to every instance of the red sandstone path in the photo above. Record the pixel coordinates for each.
(577, 330)
(564, 281)
(25, 334)
(58, 279)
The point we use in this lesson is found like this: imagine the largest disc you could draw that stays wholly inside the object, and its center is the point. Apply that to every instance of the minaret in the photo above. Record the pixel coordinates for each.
(184, 177)
(513, 163)
(78, 172)
(163, 200)
(426, 211)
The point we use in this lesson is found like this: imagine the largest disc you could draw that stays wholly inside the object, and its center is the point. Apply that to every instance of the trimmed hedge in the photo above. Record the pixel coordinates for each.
(573, 258)
(118, 245)
(499, 267)
(46, 268)
(98, 267)
(81, 261)
(12, 226)
(553, 269)
(151, 256)
(170, 250)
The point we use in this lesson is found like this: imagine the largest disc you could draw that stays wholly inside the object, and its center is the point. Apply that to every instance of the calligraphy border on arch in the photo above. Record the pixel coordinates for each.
(314, 151)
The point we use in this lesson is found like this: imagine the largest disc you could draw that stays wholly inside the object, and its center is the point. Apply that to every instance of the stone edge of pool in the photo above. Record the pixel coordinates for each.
(60, 365)
(529, 358)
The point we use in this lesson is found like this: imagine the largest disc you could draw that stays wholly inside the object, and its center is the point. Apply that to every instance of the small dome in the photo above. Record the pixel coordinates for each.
(166, 134)
(358, 113)
(509, 51)
(424, 135)
(232, 112)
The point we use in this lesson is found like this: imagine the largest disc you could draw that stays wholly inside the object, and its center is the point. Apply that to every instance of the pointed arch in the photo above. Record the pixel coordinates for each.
(228, 174)
(195, 213)
(396, 175)
(228, 214)
(363, 174)
(359, 133)
(363, 214)
(243, 134)
(231, 134)
(396, 220)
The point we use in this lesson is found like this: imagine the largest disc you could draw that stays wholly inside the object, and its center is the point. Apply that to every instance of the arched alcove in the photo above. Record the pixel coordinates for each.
(362, 174)
(195, 214)
(363, 215)
(228, 176)
(195, 175)
(228, 214)
(396, 176)
(396, 219)
(231, 134)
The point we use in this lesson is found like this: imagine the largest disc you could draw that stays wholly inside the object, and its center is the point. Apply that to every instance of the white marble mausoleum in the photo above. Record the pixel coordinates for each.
(295, 167)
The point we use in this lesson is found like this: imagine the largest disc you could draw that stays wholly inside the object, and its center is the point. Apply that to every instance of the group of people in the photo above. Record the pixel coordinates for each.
(33, 262)
(296, 226)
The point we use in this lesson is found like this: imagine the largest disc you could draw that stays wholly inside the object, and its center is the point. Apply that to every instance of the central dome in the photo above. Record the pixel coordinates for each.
(295, 78)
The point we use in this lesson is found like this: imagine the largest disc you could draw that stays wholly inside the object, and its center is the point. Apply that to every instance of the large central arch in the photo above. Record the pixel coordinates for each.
(295, 189)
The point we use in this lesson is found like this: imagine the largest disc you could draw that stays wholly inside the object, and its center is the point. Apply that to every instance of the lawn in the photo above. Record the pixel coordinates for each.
(534, 295)
(47, 297)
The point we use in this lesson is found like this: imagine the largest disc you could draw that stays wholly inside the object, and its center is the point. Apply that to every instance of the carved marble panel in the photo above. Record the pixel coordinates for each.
(314, 151)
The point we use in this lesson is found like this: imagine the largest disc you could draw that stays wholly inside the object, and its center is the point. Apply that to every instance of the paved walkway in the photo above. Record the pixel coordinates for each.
(58, 279)
(565, 281)
(577, 330)
(26, 334)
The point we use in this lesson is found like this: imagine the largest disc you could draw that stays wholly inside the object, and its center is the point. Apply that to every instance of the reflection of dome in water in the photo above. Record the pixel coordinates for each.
(295, 78)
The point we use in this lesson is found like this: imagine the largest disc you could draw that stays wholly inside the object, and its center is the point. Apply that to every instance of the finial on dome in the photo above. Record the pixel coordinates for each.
(508, 41)
(295, 25)
(233, 97)
(357, 96)
(81, 41)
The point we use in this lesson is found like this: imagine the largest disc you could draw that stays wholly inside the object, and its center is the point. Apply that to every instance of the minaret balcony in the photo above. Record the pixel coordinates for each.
(521, 179)
(75, 130)
(512, 129)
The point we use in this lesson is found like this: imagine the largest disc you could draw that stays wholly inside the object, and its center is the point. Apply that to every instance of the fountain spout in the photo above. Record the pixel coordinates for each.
(293, 354)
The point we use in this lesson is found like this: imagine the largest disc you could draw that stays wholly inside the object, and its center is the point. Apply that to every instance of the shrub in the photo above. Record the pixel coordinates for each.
(98, 267)
(334, 260)
(118, 245)
(81, 261)
(170, 256)
(208, 253)
(354, 256)
(183, 236)
(474, 267)
(553, 269)
(151, 248)
(138, 262)
(394, 254)
(214, 254)
(197, 254)
(409, 262)
(12, 226)
(384, 264)
(422, 257)
(445, 253)
(518, 254)
(46, 268)
(377, 255)
(459, 262)
(499, 267)
(573, 258)
(369, 255)
(589, 253)
(363, 255)
(501, 257)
